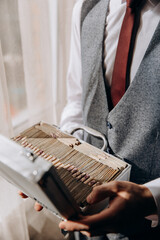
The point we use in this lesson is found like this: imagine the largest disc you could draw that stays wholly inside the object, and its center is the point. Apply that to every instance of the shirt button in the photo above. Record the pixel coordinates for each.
(109, 125)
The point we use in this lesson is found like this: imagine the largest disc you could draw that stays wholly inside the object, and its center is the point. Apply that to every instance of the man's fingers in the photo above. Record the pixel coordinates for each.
(22, 194)
(89, 223)
(101, 192)
(37, 207)
(73, 226)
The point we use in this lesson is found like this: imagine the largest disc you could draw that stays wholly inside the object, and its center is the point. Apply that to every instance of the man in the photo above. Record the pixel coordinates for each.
(131, 125)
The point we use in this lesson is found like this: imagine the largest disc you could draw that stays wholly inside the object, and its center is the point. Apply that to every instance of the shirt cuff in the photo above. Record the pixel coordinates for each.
(154, 187)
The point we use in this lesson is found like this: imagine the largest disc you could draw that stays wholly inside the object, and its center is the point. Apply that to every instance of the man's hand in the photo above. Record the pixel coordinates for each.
(37, 206)
(129, 204)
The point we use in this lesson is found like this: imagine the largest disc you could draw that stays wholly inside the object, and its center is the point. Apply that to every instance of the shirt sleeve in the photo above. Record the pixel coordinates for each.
(154, 187)
(72, 114)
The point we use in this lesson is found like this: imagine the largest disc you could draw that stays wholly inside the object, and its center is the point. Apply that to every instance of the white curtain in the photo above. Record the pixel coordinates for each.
(64, 27)
(12, 210)
(5, 116)
(34, 52)
(37, 58)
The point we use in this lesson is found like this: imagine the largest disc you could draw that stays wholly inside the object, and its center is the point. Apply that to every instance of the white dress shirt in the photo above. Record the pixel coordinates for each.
(150, 16)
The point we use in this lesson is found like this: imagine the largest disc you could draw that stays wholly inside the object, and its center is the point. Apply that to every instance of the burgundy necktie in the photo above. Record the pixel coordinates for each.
(121, 70)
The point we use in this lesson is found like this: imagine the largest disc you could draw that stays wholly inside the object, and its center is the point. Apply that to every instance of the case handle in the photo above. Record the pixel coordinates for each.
(93, 132)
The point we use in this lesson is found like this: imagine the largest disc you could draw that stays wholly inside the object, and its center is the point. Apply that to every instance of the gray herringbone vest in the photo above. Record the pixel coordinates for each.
(133, 126)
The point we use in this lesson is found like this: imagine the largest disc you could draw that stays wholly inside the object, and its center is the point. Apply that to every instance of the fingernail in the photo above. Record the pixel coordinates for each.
(89, 199)
(85, 233)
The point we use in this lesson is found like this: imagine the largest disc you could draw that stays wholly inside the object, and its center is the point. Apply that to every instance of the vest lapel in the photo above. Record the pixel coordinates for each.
(92, 55)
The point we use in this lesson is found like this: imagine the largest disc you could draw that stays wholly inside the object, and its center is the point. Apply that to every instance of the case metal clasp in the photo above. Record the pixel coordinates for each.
(30, 155)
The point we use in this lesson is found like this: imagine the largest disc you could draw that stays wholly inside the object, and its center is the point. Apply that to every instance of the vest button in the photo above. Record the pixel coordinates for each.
(109, 125)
